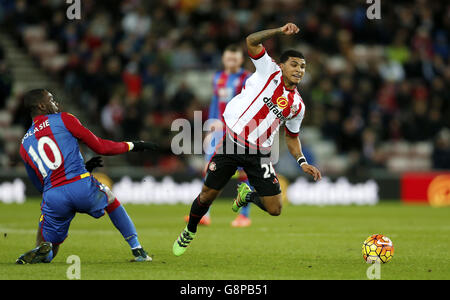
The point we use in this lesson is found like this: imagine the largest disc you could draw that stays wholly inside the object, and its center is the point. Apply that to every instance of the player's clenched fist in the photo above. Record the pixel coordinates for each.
(290, 28)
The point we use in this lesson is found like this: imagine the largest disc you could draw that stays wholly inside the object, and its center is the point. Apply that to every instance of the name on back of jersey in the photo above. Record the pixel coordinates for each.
(37, 128)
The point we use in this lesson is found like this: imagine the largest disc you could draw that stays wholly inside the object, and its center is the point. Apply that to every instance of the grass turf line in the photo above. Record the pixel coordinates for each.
(304, 242)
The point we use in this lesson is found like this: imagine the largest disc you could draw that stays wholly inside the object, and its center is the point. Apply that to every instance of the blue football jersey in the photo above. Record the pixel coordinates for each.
(51, 152)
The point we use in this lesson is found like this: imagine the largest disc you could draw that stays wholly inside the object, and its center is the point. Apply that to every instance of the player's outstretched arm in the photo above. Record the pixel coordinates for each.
(98, 145)
(254, 40)
(295, 148)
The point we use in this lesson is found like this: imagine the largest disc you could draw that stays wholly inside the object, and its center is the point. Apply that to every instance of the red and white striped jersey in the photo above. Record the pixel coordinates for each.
(254, 116)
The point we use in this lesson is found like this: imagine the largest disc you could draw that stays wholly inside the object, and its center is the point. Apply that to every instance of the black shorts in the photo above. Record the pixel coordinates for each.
(224, 163)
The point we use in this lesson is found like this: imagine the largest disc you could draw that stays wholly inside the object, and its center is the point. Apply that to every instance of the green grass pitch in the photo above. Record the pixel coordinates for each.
(304, 242)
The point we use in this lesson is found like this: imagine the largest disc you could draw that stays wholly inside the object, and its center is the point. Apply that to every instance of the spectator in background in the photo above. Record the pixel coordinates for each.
(369, 157)
(132, 119)
(182, 98)
(349, 139)
(331, 125)
(184, 57)
(20, 114)
(137, 22)
(391, 70)
(6, 79)
(416, 127)
(363, 76)
(398, 51)
(152, 77)
(440, 46)
(112, 116)
(110, 79)
(441, 151)
(132, 79)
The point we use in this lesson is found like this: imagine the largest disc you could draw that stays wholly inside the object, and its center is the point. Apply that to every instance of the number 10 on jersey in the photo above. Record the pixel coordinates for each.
(40, 157)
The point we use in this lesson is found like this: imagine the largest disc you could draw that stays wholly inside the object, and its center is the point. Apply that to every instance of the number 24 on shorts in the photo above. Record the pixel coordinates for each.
(268, 170)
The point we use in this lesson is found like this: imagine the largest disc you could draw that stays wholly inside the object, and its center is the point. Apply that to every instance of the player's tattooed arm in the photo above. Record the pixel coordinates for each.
(295, 148)
(254, 40)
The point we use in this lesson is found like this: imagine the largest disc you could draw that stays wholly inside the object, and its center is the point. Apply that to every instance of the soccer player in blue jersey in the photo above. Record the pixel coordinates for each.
(53, 161)
(227, 83)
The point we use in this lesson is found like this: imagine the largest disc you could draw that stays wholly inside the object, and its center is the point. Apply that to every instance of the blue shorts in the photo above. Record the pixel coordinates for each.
(60, 204)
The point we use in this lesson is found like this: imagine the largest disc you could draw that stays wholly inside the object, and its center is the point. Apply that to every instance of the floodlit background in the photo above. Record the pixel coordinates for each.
(376, 91)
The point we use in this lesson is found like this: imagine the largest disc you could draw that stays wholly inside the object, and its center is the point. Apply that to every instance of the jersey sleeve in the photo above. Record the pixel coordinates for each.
(264, 64)
(292, 126)
(98, 145)
(34, 178)
(31, 171)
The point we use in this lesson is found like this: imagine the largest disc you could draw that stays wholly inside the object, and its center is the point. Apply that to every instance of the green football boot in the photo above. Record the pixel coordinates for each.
(242, 191)
(37, 255)
(236, 175)
(180, 245)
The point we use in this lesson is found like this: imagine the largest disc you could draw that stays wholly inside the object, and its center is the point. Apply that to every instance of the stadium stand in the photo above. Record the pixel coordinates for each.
(377, 93)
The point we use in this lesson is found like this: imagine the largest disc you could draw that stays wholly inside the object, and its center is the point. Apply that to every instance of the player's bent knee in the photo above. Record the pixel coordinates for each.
(112, 206)
(273, 205)
(109, 194)
(274, 211)
(107, 191)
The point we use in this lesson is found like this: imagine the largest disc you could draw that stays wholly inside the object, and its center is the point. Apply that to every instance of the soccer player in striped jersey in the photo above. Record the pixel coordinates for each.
(54, 164)
(227, 83)
(269, 99)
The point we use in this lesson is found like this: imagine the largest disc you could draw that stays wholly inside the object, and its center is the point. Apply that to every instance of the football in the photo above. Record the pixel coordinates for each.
(377, 248)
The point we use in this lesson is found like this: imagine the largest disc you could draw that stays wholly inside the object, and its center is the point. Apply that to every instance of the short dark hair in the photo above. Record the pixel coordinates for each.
(32, 99)
(290, 53)
(234, 48)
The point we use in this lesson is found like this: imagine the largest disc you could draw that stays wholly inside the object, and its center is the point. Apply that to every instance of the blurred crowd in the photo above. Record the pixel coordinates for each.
(5, 79)
(368, 82)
